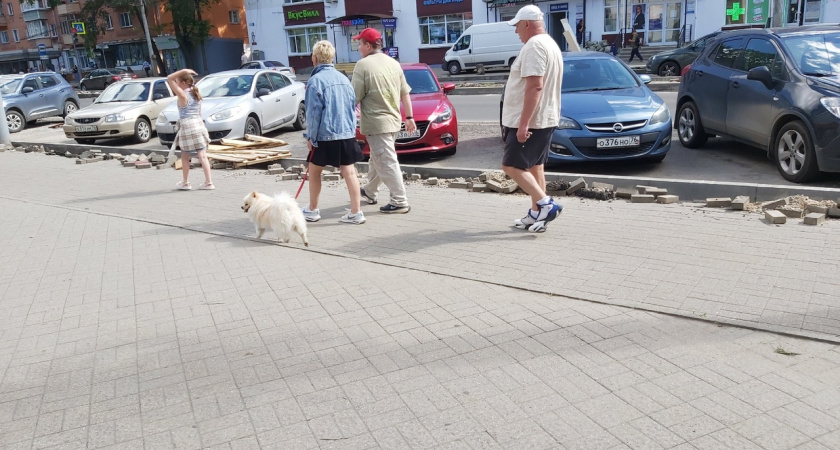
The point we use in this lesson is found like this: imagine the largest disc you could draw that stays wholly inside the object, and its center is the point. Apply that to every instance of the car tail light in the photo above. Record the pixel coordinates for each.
(685, 70)
(115, 78)
(293, 69)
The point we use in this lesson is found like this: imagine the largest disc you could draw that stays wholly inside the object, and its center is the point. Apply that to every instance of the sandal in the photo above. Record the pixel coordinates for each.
(206, 186)
(183, 186)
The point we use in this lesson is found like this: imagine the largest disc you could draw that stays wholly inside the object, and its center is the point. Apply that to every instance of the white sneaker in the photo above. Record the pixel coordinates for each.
(358, 218)
(526, 221)
(311, 216)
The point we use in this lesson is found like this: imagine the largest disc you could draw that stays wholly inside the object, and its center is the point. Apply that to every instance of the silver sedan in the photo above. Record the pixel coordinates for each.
(240, 102)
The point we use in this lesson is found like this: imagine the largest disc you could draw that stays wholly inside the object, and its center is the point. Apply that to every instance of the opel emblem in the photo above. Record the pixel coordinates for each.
(618, 127)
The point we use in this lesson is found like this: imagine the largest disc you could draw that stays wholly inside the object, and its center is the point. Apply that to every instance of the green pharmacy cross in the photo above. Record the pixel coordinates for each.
(736, 11)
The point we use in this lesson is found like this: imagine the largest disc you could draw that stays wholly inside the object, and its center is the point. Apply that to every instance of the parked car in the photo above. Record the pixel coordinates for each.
(488, 44)
(437, 124)
(777, 89)
(33, 96)
(99, 79)
(240, 102)
(607, 113)
(271, 65)
(670, 62)
(125, 108)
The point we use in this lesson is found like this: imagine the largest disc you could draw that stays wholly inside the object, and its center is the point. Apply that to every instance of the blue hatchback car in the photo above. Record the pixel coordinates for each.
(607, 113)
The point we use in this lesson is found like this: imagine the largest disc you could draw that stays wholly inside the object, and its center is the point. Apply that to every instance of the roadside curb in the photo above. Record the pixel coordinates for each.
(687, 190)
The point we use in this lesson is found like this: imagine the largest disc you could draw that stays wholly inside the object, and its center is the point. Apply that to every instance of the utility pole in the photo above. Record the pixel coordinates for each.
(152, 59)
(5, 139)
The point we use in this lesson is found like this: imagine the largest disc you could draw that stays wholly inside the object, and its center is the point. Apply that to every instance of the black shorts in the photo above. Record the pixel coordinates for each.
(343, 152)
(533, 152)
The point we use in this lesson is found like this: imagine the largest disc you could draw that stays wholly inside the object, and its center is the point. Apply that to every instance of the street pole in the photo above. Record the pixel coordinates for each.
(152, 59)
(5, 139)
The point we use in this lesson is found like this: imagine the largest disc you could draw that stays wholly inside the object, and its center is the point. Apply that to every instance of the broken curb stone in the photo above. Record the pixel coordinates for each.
(667, 198)
(774, 216)
(575, 186)
(626, 192)
(740, 202)
(814, 219)
(642, 198)
(506, 187)
(718, 202)
(432, 181)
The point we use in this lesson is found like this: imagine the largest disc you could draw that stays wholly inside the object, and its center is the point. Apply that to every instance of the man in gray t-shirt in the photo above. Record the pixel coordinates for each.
(531, 112)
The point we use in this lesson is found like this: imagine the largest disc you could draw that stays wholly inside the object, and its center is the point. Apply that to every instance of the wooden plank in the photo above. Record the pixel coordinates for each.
(262, 160)
(247, 152)
(238, 143)
(267, 140)
(221, 158)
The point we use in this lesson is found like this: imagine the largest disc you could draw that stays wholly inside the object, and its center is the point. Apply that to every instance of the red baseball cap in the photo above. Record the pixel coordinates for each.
(368, 34)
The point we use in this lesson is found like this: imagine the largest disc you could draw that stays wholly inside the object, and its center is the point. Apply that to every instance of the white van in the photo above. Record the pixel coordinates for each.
(491, 44)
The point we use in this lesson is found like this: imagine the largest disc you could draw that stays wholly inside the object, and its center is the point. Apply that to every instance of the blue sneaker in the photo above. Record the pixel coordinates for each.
(548, 211)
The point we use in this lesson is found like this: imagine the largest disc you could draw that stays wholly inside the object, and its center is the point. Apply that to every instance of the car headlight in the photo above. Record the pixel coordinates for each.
(161, 118)
(114, 118)
(567, 124)
(226, 114)
(68, 120)
(832, 104)
(445, 115)
(661, 115)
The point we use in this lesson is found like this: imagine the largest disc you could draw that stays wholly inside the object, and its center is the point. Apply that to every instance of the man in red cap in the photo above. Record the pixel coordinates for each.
(380, 84)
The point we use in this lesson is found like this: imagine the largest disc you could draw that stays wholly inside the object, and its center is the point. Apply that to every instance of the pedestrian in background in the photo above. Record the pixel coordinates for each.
(147, 67)
(379, 83)
(331, 136)
(635, 43)
(530, 114)
(76, 75)
(192, 136)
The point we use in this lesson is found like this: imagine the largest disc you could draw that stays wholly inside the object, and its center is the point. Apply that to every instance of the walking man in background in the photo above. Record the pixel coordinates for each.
(635, 43)
(530, 113)
(380, 84)
(147, 67)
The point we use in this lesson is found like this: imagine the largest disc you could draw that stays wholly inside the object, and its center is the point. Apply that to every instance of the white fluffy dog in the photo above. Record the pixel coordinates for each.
(280, 213)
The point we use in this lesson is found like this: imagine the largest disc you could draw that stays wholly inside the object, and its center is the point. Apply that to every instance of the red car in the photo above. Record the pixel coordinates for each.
(437, 126)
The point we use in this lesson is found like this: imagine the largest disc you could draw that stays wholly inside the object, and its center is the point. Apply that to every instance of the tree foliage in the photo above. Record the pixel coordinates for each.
(191, 30)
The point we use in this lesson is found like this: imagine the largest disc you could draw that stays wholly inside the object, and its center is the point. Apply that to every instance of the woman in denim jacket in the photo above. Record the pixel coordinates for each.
(331, 119)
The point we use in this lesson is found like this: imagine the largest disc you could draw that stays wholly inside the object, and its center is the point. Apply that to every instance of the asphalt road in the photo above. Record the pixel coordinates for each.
(480, 147)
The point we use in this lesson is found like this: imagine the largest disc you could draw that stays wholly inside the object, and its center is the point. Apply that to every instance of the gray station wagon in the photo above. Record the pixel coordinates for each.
(34, 96)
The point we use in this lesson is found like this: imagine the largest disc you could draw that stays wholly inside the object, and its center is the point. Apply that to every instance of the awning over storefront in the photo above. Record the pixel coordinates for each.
(166, 42)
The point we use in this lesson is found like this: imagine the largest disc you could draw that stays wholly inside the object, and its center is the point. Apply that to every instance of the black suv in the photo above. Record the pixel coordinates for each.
(777, 89)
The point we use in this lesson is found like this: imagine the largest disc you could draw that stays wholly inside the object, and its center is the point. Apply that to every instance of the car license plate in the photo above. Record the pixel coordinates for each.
(405, 134)
(86, 128)
(624, 141)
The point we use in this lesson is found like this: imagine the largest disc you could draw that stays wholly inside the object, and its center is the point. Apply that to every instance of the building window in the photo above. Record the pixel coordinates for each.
(439, 30)
(11, 10)
(611, 15)
(36, 29)
(301, 40)
(32, 5)
(289, 2)
(4, 37)
(65, 26)
(109, 25)
(52, 30)
(15, 36)
(234, 16)
(125, 19)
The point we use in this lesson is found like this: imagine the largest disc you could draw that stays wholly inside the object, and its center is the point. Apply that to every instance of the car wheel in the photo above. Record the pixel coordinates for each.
(300, 122)
(252, 127)
(689, 128)
(795, 156)
(85, 141)
(83, 87)
(142, 131)
(669, 69)
(70, 107)
(454, 68)
(15, 120)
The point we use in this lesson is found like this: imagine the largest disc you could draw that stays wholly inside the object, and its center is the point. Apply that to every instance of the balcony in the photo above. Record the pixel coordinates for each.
(67, 39)
(68, 8)
(39, 14)
(4, 22)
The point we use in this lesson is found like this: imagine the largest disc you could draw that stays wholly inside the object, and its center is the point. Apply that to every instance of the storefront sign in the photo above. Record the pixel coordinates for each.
(440, 2)
(353, 22)
(735, 12)
(302, 14)
(389, 23)
(557, 7)
(393, 52)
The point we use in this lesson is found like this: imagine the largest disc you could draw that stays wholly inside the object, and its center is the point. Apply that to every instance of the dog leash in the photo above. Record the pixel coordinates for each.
(306, 174)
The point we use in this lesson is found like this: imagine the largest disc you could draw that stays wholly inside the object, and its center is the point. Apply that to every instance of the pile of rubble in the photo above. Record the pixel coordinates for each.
(812, 212)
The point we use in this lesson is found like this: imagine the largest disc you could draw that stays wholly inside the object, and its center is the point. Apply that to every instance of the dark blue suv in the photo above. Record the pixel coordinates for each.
(777, 89)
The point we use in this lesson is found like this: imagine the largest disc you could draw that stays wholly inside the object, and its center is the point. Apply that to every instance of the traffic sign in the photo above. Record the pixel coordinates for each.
(42, 51)
(78, 27)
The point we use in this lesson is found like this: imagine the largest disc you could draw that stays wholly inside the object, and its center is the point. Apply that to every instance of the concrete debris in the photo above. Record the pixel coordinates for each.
(814, 219)
(602, 186)
(642, 198)
(459, 184)
(667, 198)
(596, 193)
(656, 192)
(330, 177)
(575, 186)
(154, 158)
(792, 211)
(502, 187)
(774, 204)
(278, 171)
(643, 189)
(834, 212)
(557, 186)
(740, 202)
(432, 181)
(416, 177)
(775, 217)
(479, 187)
(143, 165)
(626, 192)
(289, 176)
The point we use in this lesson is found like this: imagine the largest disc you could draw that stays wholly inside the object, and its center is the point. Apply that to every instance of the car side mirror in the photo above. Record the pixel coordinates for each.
(645, 78)
(448, 87)
(157, 96)
(762, 74)
(27, 90)
(263, 91)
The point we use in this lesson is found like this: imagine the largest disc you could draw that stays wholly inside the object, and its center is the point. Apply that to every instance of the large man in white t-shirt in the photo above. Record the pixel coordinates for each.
(531, 112)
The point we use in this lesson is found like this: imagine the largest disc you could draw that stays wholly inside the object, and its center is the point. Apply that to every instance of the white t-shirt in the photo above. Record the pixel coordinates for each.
(540, 56)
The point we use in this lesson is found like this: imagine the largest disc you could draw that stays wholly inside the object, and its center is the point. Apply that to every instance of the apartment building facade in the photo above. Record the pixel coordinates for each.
(422, 30)
(34, 35)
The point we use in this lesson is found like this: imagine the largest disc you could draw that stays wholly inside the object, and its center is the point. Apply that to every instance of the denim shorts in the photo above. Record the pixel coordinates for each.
(533, 152)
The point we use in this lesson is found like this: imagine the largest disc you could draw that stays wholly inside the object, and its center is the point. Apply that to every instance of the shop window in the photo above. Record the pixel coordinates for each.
(611, 16)
(301, 40)
(443, 30)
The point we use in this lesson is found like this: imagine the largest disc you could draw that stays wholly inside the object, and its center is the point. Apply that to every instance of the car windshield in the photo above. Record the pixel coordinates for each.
(125, 92)
(225, 86)
(270, 64)
(815, 54)
(9, 86)
(421, 81)
(596, 74)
